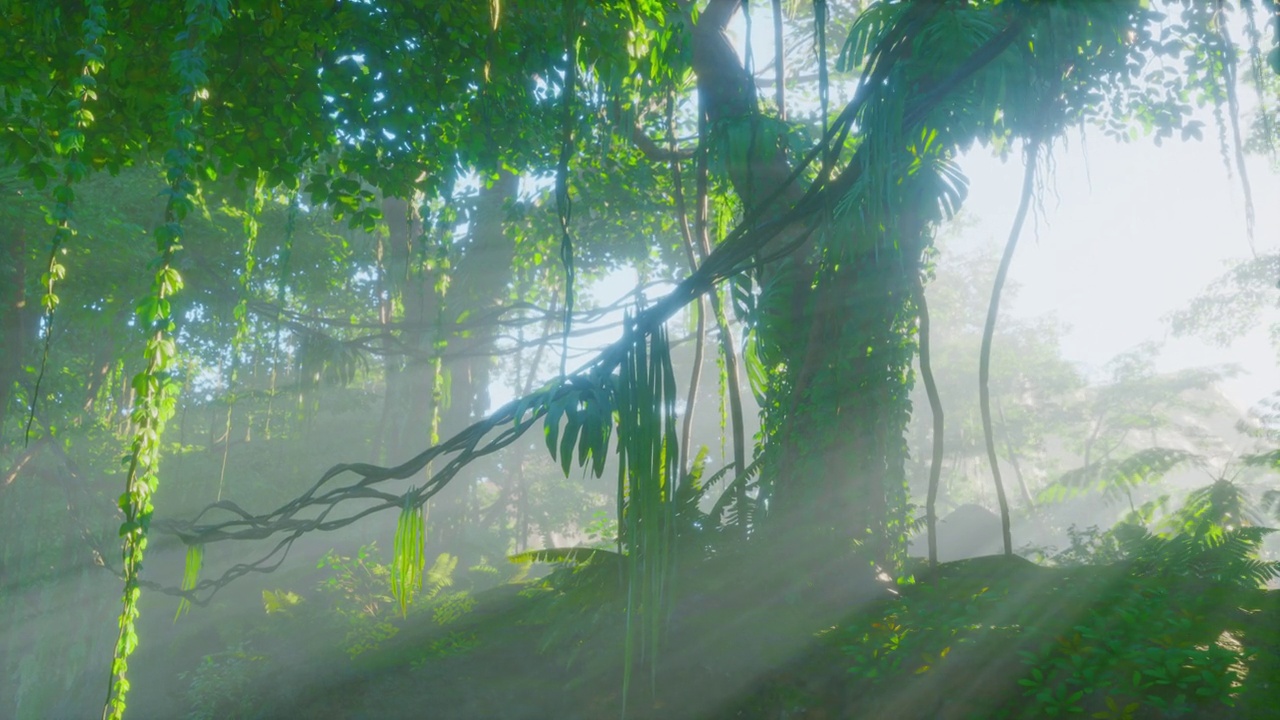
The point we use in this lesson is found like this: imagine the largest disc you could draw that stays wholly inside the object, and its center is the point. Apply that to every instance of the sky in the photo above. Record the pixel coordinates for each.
(1130, 233)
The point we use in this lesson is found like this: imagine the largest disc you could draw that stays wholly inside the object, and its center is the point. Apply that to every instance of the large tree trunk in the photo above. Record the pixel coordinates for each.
(480, 285)
(726, 93)
(454, 328)
(837, 413)
(408, 389)
(844, 437)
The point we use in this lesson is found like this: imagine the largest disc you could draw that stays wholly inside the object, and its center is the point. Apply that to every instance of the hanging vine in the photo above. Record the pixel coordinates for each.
(440, 265)
(1257, 66)
(988, 330)
(240, 314)
(1229, 60)
(939, 424)
(70, 146)
(645, 401)
(779, 62)
(564, 205)
(700, 333)
(409, 558)
(155, 404)
(282, 288)
(820, 45)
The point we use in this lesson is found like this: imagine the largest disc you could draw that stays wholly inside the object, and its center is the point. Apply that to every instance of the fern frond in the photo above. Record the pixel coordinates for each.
(1217, 507)
(720, 514)
(691, 490)
(566, 556)
(1116, 478)
(1270, 503)
(1269, 460)
(440, 576)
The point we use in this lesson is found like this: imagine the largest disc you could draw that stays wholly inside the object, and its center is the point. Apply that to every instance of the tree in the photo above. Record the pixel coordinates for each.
(378, 112)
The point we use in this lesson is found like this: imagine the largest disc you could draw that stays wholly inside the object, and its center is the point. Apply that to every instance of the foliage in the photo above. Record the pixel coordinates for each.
(432, 130)
(1160, 629)
(643, 397)
(222, 687)
(577, 597)
(357, 590)
(1141, 646)
(1089, 546)
(407, 576)
(1116, 479)
(1234, 304)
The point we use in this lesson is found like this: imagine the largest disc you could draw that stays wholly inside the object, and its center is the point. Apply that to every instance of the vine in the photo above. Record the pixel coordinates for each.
(282, 287)
(564, 204)
(984, 361)
(70, 145)
(443, 268)
(939, 422)
(155, 314)
(240, 313)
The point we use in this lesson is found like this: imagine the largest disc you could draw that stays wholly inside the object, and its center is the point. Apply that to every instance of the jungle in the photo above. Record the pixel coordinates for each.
(649, 359)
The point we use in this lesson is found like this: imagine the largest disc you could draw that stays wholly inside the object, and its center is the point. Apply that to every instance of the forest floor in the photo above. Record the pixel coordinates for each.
(982, 638)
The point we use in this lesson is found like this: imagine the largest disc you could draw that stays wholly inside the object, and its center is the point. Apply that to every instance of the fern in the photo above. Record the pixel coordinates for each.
(1210, 509)
(1228, 556)
(565, 556)
(1269, 460)
(691, 490)
(440, 576)
(1270, 503)
(1116, 479)
(734, 507)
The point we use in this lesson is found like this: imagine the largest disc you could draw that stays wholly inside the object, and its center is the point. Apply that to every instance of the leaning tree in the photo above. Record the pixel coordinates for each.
(376, 111)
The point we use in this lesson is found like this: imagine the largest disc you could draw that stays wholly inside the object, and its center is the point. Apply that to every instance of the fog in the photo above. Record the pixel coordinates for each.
(398, 481)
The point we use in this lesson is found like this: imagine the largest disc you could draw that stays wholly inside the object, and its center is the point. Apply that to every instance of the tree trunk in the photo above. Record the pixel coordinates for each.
(841, 437)
(13, 324)
(408, 384)
(757, 168)
(844, 340)
(480, 285)
(454, 328)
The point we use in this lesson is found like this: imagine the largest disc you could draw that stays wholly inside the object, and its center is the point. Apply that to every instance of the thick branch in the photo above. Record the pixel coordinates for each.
(655, 152)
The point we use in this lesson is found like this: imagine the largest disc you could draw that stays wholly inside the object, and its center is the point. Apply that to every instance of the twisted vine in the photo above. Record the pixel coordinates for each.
(155, 401)
(70, 145)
